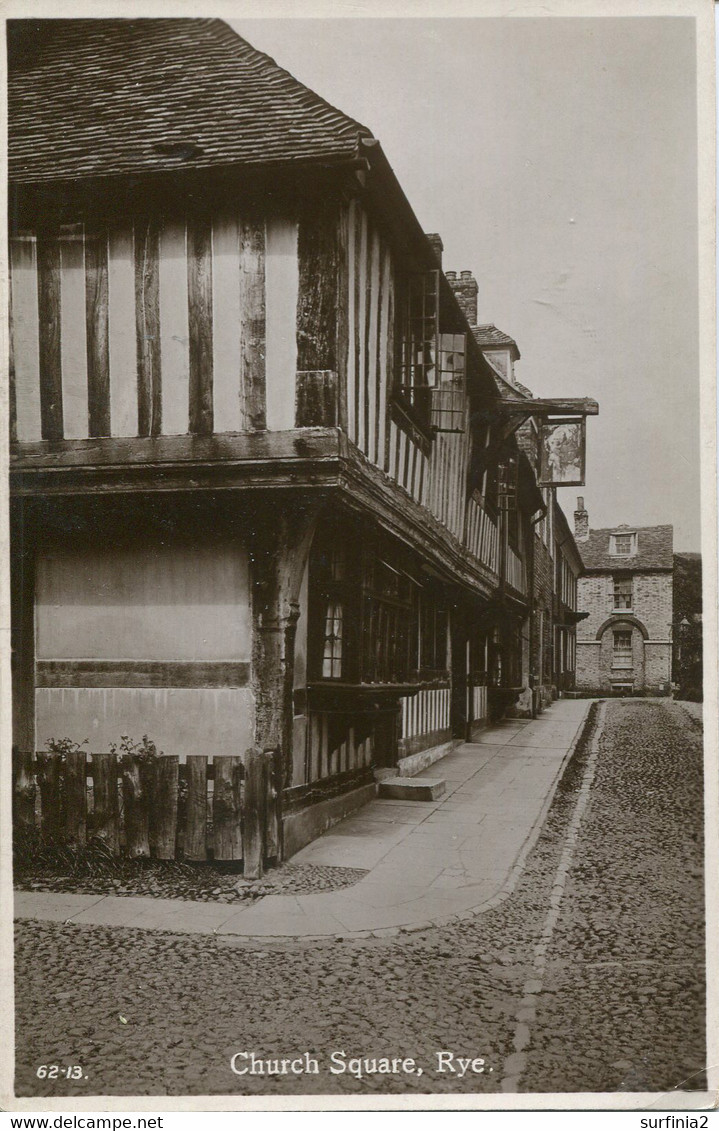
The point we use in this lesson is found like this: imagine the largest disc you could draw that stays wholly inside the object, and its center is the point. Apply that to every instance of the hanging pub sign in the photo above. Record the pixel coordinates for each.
(562, 453)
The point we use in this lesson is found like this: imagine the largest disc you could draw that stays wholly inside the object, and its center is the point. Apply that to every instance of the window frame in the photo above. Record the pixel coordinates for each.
(409, 345)
(429, 392)
(622, 655)
(614, 538)
(331, 588)
(619, 579)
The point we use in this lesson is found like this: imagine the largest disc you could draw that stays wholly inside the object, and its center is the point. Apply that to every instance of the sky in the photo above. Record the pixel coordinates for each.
(557, 158)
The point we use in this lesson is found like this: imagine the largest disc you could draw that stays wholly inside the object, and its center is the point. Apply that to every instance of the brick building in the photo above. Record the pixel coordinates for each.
(624, 645)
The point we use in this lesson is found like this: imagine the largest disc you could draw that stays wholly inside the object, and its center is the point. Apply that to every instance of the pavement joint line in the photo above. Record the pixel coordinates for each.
(69, 922)
(531, 839)
(516, 1064)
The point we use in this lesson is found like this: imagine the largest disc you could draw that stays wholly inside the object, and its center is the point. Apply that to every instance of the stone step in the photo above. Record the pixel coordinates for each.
(412, 789)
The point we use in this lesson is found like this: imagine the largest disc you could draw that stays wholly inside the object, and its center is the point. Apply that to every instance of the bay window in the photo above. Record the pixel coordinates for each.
(431, 364)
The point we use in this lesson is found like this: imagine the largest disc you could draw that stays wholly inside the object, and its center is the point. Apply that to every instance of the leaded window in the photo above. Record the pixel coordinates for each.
(432, 365)
(332, 643)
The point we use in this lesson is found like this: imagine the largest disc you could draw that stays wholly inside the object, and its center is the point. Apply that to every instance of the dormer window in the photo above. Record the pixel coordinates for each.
(623, 545)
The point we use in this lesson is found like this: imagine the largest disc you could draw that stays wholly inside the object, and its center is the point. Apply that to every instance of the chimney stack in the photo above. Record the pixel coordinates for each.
(466, 290)
(437, 246)
(581, 522)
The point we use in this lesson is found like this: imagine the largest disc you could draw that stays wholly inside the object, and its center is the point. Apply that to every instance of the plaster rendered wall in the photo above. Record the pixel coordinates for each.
(179, 721)
(146, 606)
(176, 601)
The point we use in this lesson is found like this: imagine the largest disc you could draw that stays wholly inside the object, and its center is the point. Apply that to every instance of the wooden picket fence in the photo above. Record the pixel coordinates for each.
(155, 807)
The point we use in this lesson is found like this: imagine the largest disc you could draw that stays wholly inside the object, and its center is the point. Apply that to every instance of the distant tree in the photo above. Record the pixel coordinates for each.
(687, 626)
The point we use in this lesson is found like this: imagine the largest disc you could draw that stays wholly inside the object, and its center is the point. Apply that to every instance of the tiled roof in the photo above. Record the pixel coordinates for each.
(96, 97)
(654, 549)
(504, 387)
(488, 336)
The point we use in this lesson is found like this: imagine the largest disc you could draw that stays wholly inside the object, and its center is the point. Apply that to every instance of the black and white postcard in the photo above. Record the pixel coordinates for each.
(360, 684)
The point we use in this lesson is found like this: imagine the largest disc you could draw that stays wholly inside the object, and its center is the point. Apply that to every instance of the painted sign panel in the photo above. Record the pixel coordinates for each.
(562, 453)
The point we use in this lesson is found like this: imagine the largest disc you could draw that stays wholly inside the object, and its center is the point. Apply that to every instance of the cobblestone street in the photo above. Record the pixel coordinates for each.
(589, 977)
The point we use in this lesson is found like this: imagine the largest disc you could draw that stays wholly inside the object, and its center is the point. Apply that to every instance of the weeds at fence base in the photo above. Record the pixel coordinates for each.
(37, 863)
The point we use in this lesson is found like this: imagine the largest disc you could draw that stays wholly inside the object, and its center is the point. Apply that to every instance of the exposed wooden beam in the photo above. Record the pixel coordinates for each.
(50, 350)
(97, 331)
(546, 406)
(147, 327)
(199, 286)
(142, 673)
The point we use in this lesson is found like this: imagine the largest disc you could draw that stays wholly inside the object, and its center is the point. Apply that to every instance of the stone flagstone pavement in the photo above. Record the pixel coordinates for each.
(427, 861)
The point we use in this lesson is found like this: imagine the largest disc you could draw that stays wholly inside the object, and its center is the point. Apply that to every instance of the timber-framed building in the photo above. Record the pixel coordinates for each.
(264, 488)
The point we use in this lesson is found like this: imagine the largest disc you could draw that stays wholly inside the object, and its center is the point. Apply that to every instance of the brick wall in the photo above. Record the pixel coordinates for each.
(658, 658)
(528, 442)
(594, 596)
(652, 603)
(466, 290)
(588, 676)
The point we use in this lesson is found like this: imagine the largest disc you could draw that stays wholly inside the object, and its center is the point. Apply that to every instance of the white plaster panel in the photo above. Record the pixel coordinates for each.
(179, 721)
(154, 602)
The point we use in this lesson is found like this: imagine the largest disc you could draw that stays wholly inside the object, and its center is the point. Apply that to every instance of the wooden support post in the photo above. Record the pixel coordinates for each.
(196, 818)
(22, 638)
(316, 398)
(49, 342)
(226, 808)
(53, 825)
(278, 552)
(253, 814)
(98, 330)
(105, 823)
(272, 832)
(458, 651)
(252, 303)
(317, 322)
(137, 781)
(343, 318)
(76, 798)
(199, 284)
(163, 816)
(147, 326)
(23, 789)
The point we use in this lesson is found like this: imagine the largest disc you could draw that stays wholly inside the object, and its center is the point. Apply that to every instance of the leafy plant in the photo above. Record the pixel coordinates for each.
(64, 746)
(146, 749)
